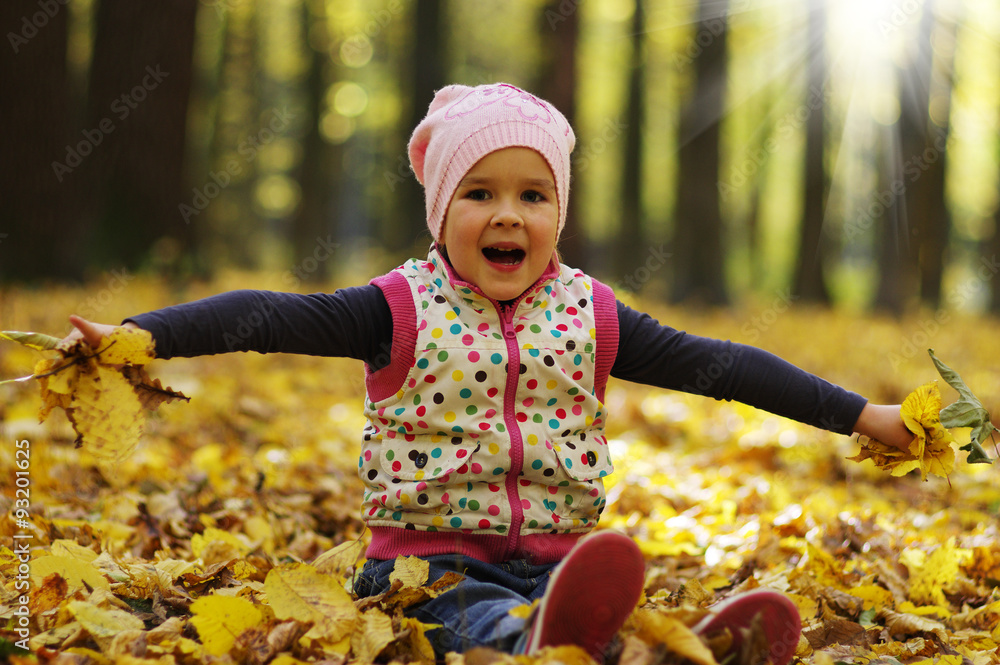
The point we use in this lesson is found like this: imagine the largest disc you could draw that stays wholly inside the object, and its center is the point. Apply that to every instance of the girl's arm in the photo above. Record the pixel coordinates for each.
(884, 422)
(353, 322)
(658, 355)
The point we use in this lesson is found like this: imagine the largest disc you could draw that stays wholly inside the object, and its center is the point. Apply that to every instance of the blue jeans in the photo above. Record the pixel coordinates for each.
(475, 612)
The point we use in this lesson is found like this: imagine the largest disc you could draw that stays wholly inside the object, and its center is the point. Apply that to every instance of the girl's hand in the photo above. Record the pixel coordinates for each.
(884, 423)
(92, 333)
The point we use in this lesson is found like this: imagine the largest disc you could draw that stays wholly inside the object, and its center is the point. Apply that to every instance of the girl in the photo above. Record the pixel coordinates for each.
(486, 366)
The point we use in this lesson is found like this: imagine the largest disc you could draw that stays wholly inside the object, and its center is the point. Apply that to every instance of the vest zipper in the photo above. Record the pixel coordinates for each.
(506, 315)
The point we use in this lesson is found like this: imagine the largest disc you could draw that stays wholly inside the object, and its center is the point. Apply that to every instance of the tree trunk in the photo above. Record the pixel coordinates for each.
(934, 220)
(913, 245)
(632, 237)
(40, 233)
(698, 255)
(809, 283)
(139, 89)
(423, 73)
(560, 30)
(313, 232)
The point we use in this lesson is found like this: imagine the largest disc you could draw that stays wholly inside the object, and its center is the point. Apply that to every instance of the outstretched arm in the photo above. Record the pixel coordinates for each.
(658, 355)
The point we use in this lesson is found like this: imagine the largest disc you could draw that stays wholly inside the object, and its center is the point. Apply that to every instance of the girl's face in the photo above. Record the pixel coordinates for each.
(500, 228)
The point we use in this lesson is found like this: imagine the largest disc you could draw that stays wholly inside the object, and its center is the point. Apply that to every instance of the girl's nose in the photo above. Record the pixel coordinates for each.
(506, 215)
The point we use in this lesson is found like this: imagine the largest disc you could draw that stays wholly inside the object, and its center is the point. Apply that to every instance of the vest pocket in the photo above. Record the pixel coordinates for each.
(583, 456)
(428, 475)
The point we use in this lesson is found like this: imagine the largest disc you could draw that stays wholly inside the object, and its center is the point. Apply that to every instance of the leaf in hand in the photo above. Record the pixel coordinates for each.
(106, 413)
(968, 411)
(932, 444)
(930, 451)
(32, 340)
(102, 391)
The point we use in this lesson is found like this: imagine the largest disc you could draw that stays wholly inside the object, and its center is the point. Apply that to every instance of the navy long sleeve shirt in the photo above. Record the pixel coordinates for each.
(356, 322)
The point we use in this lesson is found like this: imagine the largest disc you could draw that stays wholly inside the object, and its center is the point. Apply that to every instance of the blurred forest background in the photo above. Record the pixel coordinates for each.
(838, 151)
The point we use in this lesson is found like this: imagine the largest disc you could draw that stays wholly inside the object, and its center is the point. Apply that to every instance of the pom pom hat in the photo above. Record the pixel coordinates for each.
(465, 124)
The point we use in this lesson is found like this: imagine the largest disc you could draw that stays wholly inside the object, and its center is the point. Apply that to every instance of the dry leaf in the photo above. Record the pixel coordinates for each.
(299, 591)
(221, 619)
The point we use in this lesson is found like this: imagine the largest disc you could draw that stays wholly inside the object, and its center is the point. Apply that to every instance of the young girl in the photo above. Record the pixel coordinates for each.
(486, 367)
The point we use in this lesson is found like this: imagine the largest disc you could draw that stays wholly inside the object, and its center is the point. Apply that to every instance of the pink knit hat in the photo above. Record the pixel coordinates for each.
(465, 124)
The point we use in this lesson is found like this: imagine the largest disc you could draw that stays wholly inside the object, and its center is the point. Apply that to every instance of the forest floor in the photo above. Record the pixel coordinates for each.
(232, 532)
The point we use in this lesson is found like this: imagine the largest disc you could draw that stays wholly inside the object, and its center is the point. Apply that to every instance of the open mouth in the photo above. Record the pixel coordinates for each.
(506, 257)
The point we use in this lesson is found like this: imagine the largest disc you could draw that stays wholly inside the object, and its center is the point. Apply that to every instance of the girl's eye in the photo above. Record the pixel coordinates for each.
(532, 196)
(477, 195)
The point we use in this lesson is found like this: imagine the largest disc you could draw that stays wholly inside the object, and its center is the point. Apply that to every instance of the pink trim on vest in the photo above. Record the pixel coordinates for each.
(386, 382)
(389, 542)
(606, 322)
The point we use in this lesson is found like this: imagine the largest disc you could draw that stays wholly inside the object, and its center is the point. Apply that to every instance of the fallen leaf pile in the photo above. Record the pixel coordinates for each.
(232, 532)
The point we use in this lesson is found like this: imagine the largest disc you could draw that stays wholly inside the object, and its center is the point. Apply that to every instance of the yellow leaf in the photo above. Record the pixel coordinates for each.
(931, 576)
(106, 413)
(103, 624)
(57, 381)
(411, 571)
(73, 570)
(72, 549)
(299, 591)
(128, 346)
(340, 559)
(374, 634)
(921, 412)
(419, 644)
(657, 628)
(924, 610)
(221, 619)
(201, 541)
(932, 449)
(873, 596)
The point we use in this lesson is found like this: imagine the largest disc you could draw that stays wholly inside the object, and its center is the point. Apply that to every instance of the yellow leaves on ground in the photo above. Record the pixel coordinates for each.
(934, 575)
(221, 619)
(932, 449)
(103, 391)
(656, 628)
(300, 592)
(103, 624)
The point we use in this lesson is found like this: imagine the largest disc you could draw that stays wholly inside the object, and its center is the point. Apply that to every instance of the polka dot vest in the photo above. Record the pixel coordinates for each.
(498, 426)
